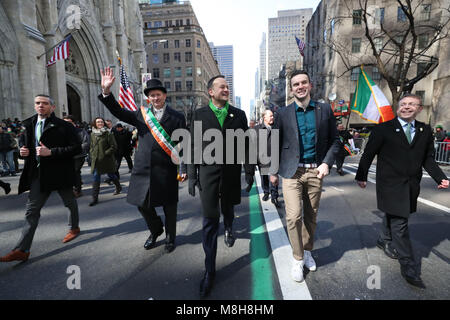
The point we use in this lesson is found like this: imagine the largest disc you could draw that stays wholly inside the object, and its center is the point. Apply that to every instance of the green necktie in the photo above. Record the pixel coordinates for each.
(39, 133)
(408, 132)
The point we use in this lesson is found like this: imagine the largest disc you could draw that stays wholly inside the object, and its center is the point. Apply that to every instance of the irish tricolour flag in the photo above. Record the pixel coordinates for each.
(369, 101)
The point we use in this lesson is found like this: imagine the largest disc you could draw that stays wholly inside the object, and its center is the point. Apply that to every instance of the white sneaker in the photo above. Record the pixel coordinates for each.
(297, 270)
(309, 261)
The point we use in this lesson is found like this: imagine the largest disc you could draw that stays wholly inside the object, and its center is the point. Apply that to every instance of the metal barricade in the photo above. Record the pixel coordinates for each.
(442, 152)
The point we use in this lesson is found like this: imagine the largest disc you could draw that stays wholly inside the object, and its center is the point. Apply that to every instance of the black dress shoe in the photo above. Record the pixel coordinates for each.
(169, 247)
(411, 276)
(206, 284)
(151, 241)
(265, 197)
(229, 238)
(276, 203)
(388, 249)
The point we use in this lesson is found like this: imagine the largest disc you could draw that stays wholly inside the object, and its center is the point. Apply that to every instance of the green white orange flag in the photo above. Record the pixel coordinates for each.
(370, 102)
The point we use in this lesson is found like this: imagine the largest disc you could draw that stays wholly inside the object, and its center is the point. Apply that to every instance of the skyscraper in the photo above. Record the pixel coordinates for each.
(282, 46)
(262, 64)
(224, 58)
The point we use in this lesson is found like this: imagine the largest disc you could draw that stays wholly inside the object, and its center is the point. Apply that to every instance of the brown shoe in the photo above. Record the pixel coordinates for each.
(15, 255)
(72, 234)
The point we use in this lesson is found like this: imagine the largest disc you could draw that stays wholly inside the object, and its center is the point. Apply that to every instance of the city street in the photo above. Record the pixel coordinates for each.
(112, 264)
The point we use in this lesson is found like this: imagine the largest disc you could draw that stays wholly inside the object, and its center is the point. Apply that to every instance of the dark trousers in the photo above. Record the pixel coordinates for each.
(210, 233)
(340, 158)
(155, 224)
(119, 158)
(268, 187)
(78, 165)
(36, 200)
(395, 229)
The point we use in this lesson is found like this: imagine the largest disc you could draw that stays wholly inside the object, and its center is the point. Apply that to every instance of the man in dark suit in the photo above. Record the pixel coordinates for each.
(48, 146)
(219, 182)
(308, 145)
(268, 187)
(402, 146)
(153, 181)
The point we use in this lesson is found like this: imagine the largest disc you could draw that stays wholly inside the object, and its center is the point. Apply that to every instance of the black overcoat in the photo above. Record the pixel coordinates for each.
(153, 172)
(218, 180)
(57, 171)
(399, 165)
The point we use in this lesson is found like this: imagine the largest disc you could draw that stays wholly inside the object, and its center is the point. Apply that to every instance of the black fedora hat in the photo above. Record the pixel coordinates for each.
(154, 84)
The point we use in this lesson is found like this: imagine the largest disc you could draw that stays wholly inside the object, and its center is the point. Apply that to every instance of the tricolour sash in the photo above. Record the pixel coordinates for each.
(160, 134)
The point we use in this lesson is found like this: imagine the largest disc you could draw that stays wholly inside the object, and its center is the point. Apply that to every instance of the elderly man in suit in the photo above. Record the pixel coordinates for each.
(48, 147)
(153, 181)
(220, 182)
(308, 146)
(402, 146)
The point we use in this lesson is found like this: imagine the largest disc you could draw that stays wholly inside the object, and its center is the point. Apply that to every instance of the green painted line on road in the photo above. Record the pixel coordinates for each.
(262, 288)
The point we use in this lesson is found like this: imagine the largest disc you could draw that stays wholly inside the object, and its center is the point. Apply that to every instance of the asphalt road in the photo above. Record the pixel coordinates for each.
(111, 263)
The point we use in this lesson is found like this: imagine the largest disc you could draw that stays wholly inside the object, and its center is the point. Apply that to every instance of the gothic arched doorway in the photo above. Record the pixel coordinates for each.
(74, 103)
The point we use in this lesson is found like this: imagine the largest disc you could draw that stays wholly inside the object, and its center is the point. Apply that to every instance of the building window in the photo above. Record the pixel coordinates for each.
(199, 44)
(178, 72)
(188, 43)
(167, 73)
(396, 69)
(157, 24)
(155, 73)
(179, 102)
(199, 57)
(176, 43)
(379, 15)
(155, 44)
(169, 100)
(421, 66)
(188, 56)
(166, 58)
(357, 14)
(332, 22)
(401, 16)
(177, 85)
(356, 45)
(188, 71)
(188, 85)
(188, 22)
(422, 41)
(376, 75)
(425, 12)
(421, 94)
(355, 74)
(167, 85)
(199, 71)
(166, 44)
(378, 42)
(155, 58)
(177, 57)
(330, 54)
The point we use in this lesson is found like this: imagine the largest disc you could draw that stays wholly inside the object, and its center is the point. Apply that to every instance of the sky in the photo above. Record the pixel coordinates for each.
(241, 23)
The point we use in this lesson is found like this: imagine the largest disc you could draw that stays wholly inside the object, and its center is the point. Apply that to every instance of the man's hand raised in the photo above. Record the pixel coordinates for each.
(107, 80)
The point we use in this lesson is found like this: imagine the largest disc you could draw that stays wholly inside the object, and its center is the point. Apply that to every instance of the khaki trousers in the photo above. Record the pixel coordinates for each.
(302, 195)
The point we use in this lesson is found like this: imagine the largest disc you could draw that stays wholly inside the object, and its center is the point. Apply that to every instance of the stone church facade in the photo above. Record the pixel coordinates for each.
(99, 28)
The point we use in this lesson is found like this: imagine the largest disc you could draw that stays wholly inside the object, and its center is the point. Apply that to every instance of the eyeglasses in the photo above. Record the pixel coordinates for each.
(409, 104)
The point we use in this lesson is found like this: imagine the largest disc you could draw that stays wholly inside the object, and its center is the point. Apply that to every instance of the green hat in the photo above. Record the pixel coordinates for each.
(439, 126)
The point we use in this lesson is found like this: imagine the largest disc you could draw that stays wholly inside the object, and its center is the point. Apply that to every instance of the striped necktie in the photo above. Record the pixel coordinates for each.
(38, 138)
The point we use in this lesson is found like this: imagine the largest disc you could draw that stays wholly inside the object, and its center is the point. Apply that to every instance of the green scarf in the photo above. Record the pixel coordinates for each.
(221, 114)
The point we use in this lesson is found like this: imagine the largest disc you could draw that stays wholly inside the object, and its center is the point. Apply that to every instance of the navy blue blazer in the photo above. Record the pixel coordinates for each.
(327, 138)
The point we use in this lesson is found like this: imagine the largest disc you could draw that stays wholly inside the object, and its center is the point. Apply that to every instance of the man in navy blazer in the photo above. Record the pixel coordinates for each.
(308, 144)
(402, 146)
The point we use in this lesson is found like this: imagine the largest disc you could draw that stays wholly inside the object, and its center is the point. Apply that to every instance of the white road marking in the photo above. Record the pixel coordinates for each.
(281, 250)
(422, 200)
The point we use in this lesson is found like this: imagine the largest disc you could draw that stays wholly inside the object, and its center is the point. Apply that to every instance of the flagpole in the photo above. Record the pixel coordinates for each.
(70, 34)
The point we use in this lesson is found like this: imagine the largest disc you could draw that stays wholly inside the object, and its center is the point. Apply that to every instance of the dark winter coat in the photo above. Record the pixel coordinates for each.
(399, 165)
(153, 173)
(102, 151)
(57, 171)
(218, 181)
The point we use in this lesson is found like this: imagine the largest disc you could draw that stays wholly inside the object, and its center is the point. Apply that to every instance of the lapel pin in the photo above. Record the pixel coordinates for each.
(398, 130)
(231, 115)
(421, 129)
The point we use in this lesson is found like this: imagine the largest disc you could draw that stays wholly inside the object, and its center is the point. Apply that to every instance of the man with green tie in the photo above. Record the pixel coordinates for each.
(402, 146)
(48, 147)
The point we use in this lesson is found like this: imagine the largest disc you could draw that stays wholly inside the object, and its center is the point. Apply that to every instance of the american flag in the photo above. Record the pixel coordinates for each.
(126, 98)
(60, 52)
(301, 45)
